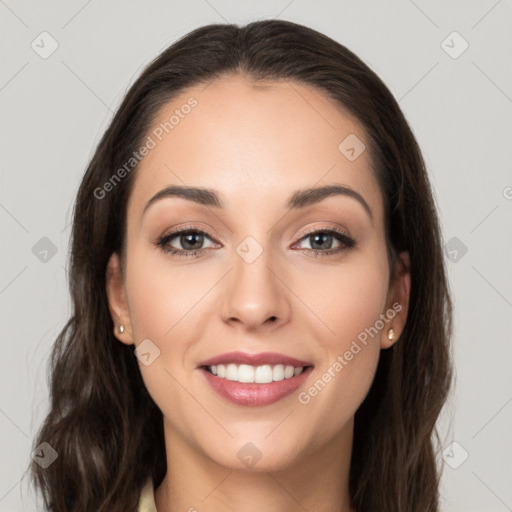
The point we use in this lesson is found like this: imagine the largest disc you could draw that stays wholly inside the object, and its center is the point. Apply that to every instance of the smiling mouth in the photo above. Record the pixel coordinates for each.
(263, 374)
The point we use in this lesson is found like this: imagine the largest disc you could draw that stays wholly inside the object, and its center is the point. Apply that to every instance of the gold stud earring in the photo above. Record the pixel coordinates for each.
(121, 329)
(391, 334)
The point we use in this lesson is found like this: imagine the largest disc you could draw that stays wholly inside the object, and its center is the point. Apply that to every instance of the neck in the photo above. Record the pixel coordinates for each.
(316, 481)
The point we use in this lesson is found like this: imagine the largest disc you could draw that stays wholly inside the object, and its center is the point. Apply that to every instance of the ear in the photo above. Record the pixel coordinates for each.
(117, 302)
(398, 301)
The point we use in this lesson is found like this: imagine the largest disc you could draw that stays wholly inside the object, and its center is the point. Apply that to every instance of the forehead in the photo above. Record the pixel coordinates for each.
(255, 142)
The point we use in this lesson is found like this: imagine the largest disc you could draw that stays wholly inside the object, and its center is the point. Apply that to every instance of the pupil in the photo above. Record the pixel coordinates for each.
(321, 236)
(185, 239)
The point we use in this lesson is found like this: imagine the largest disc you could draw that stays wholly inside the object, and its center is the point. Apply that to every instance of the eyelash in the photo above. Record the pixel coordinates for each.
(348, 243)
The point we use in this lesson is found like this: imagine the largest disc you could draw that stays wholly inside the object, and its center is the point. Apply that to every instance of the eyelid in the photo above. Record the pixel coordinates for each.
(191, 227)
(185, 229)
(337, 229)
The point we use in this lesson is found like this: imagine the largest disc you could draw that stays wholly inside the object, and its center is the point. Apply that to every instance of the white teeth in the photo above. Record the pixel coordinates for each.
(278, 372)
(288, 372)
(259, 374)
(263, 374)
(245, 373)
(232, 372)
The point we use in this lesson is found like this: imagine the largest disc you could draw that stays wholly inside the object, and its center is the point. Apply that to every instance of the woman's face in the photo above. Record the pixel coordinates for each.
(252, 283)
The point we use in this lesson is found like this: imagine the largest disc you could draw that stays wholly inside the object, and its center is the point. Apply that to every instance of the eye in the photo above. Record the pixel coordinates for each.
(190, 239)
(321, 242)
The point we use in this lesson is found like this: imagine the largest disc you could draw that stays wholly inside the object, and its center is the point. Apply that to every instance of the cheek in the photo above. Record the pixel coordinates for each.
(161, 294)
(351, 303)
(167, 303)
(163, 299)
(346, 298)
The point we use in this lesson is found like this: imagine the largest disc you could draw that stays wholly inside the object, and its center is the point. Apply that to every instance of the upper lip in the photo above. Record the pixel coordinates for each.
(260, 359)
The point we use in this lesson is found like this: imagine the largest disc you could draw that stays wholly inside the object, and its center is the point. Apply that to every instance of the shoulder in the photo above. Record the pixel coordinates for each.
(147, 498)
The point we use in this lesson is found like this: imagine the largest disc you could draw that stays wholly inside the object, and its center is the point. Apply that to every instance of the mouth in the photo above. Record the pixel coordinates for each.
(254, 386)
(254, 379)
(247, 374)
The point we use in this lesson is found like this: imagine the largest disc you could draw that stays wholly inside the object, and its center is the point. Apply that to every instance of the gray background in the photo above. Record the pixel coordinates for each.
(55, 109)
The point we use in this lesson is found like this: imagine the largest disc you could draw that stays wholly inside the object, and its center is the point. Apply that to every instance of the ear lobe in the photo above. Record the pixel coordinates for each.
(117, 302)
(398, 301)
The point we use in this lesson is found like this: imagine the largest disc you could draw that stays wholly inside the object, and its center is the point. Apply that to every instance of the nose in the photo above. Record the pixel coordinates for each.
(255, 295)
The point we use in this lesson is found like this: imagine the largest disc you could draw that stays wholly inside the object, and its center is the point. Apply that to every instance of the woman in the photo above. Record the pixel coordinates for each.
(257, 222)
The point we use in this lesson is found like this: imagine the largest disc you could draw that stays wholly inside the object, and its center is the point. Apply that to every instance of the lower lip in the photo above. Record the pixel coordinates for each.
(252, 394)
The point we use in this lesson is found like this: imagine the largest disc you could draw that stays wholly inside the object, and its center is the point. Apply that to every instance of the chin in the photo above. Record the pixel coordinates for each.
(254, 456)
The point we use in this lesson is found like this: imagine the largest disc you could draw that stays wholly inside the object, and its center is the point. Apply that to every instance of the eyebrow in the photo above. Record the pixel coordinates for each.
(299, 199)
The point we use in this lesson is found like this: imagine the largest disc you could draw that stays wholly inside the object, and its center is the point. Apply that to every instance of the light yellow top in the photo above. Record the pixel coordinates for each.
(147, 498)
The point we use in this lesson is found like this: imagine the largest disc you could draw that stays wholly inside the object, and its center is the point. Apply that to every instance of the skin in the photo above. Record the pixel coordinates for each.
(256, 145)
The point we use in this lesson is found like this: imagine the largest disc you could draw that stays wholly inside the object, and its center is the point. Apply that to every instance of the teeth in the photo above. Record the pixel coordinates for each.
(259, 374)
(278, 372)
(245, 373)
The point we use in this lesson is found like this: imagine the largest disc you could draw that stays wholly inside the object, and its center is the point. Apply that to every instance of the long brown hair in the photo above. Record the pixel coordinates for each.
(103, 424)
